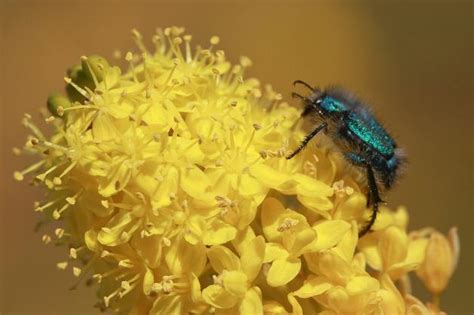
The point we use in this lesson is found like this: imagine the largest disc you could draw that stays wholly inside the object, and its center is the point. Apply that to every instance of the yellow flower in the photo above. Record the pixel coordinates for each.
(290, 235)
(416, 307)
(168, 182)
(392, 251)
(232, 288)
(341, 284)
(442, 255)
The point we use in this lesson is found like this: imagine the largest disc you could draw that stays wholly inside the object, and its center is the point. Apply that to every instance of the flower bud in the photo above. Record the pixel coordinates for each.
(440, 261)
(57, 103)
(94, 66)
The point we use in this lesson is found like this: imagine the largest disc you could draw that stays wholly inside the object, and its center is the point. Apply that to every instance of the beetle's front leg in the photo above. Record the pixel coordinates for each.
(306, 139)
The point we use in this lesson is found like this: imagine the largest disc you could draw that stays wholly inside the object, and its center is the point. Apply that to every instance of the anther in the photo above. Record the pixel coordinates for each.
(76, 271)
(62, 265)
(287, 224)
(46, 239)
(59, 232)
(215, 40)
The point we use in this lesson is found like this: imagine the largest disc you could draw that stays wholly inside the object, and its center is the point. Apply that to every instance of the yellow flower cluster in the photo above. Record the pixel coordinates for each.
(170, 186)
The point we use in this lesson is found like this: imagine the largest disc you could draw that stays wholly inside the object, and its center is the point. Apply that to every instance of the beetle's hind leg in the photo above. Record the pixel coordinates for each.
(373, 199)
(373, 196)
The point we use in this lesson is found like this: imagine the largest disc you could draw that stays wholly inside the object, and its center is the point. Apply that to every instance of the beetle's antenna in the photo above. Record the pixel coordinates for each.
(301, 97)
(304, 83)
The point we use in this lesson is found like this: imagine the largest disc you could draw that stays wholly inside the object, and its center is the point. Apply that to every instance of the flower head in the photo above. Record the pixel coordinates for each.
(169, 184)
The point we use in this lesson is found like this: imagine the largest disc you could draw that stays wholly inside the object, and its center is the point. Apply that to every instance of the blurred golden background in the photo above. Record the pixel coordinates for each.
(411, 60)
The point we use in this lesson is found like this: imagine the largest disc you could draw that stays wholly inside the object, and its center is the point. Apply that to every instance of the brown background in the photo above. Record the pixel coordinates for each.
(412, 60)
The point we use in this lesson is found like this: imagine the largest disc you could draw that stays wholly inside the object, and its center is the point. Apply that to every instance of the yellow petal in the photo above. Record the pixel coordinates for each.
(352, 207)
(362, 285)
(249, 186)
(397, 270)
(216, 296)
(242, 238)
(308, 186)
(283, 271)
(393, 246)
(196, 226)
(252, 257)
(222, 258)
(113, 232)
(313, 286)
(274, 251)
(252, 303)
(319, 205)
(333, 266)
(196, 295)
(303, 238)
(235, 282)
(148, 280)
(271, 212)
(392, 301)
(166, 188)
(150, 249)
(268, 176)
(369, 246)
(348, 243)
(296, 307)
(103, 128)
(274, 308)
(218, 233)
(416, 251)
(183, 257)
(167, 305)
(329, 233)
(438, 264)
(90, 238)
(202, 191)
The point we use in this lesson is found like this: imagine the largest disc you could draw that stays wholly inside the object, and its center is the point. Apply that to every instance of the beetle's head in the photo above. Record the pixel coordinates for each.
(328, 106)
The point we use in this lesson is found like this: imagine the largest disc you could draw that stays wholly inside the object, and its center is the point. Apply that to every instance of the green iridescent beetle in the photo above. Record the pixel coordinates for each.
(358, 135)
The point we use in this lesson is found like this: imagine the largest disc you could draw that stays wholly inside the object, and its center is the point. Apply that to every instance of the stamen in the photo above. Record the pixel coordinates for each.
(109, 297)
(42, 176)
(175, 65)
(73, 251)
(187, 40)
(20, 175)
(129, 58)
(30, 125)
(94, 78)
(57, 180)
(57, 213)
(39, 208)
(77, 87)
(126, 263)
(287, 224)
(138, 38)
